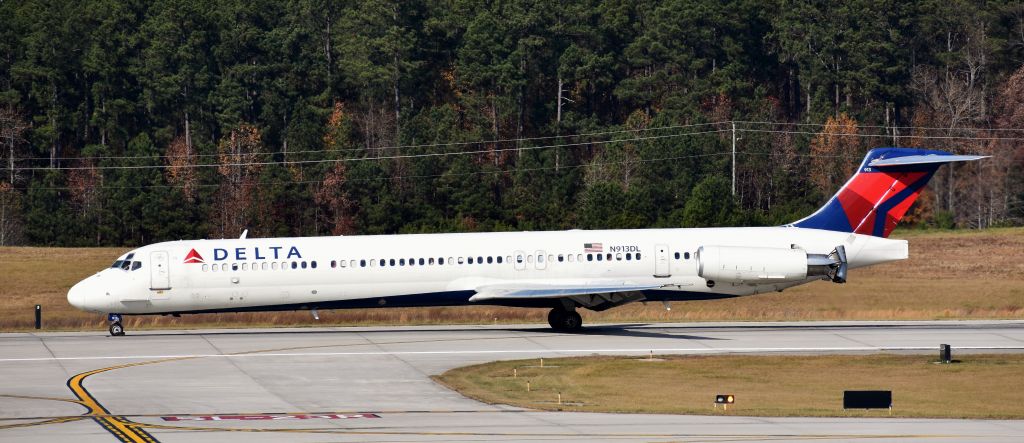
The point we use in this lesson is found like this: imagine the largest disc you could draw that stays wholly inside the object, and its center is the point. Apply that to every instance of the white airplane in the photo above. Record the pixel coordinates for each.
(559, 270)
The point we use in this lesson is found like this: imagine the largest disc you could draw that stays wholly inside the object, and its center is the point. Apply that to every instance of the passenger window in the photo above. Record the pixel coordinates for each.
(224, 267)
(412, 262)
(421, 261)
(618, 256)
(609, 256)
(551, 258)
(561, 258)
(245, 266)
(273, 266)
(480, 260)
(264, 266)
(313, 264)
(334, 264)
(572, 258)
(206, 268)
(540, 258)
(579, 257)
(362, 263)
(469, 260)
(431, 260)
(590, 257)
(629, 256)
(295, 265)
(529, 258)
(343, 264)
(401, 262)
(440, 260)
(451, 261)
(461, 260)
(598, 257)
(234, 266)
(638, 256)
(490, 259)
(686, 255)
(519, 259)
(391, 262)
(136, 265)
(499, 259)
(303, 265)
(214, 268)
(677, 256)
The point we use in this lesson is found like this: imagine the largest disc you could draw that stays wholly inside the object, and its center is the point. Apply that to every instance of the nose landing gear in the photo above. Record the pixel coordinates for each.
(116, 330)
(565, 320)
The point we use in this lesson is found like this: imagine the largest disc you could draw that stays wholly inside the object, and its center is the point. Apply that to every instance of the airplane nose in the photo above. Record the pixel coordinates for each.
(76, 295)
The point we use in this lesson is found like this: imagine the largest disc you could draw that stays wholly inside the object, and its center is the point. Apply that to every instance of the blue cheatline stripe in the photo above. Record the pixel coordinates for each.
(886, 206)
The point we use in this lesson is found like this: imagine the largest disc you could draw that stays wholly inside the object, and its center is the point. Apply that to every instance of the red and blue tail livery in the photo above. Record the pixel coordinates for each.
(874, 200)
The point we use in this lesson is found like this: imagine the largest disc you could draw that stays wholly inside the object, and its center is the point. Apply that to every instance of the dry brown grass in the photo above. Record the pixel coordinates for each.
(962, 274)
(981, 386)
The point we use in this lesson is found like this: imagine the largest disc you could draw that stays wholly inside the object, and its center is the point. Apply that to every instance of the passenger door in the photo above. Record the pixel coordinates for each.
(661, 263)
(159, 271)
(520, 260)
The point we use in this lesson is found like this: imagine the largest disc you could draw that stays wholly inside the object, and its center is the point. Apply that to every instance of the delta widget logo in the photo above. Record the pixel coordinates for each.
(194, 257)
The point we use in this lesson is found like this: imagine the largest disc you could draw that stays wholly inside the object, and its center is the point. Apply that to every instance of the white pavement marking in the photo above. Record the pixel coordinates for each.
(525, 351)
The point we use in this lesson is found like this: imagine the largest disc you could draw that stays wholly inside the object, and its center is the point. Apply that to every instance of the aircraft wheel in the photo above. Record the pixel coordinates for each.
(116, 329)
(555, 318)
(572, 321)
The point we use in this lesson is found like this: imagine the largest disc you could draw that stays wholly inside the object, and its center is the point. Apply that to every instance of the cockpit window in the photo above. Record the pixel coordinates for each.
(136, 265)
(125, 263)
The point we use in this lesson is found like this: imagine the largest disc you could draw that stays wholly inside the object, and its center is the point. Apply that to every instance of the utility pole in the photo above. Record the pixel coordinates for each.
(734, 159)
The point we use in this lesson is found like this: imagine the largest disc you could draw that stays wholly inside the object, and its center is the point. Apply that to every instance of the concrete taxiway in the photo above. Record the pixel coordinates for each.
(373, 383)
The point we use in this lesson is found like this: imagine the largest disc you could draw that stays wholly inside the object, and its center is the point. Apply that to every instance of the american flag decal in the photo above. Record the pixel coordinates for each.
(593, 247)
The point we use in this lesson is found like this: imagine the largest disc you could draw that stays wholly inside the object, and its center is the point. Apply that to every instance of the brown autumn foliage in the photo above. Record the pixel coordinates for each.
(331, 193)
(10, 215)
(239, 155)
(180, 159)
(83, 185)
(834, 153)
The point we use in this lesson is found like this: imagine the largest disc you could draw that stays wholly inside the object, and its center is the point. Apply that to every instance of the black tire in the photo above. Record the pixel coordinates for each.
(116, 330)
(555, 318)
(572, 321)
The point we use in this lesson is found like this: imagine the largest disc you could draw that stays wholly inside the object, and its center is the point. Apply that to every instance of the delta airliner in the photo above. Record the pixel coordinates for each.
(560, 271)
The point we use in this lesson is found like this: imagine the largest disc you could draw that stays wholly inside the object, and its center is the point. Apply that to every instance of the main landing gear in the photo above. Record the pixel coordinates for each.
(565, 320)
(116, 330)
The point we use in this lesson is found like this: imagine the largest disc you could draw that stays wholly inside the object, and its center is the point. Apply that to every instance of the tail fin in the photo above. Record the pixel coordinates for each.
(874, 200)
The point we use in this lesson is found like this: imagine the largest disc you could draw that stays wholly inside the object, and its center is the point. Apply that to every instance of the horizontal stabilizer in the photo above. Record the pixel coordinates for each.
(528, 291)
(923, 159)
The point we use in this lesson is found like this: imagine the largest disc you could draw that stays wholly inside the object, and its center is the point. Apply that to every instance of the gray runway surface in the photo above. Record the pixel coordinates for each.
(372, 384)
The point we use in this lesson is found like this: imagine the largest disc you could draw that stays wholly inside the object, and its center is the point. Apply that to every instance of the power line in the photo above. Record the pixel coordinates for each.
(357, 159)
(566, 136)
(396, 147)
(927, 128)
(359, 180)
(850, 134)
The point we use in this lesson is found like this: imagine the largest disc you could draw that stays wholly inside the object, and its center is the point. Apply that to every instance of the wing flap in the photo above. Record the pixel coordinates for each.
(528, 291)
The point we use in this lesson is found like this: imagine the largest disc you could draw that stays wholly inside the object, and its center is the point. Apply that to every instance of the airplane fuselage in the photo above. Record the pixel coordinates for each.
(444, 269)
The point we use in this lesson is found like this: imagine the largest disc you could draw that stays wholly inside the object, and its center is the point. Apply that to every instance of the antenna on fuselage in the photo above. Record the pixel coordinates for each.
(245, 234)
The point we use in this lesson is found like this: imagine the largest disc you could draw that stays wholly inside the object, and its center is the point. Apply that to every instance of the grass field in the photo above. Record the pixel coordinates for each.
(981, 386)
(958, 274)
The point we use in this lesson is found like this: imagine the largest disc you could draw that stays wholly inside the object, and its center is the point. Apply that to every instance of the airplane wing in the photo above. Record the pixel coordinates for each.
(522, 291)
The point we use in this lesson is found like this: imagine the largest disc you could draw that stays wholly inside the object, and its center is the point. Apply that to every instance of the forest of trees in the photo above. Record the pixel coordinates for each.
(125, 122)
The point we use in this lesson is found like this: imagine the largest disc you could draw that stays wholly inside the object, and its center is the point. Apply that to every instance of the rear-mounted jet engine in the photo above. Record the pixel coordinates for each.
(754, 266)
